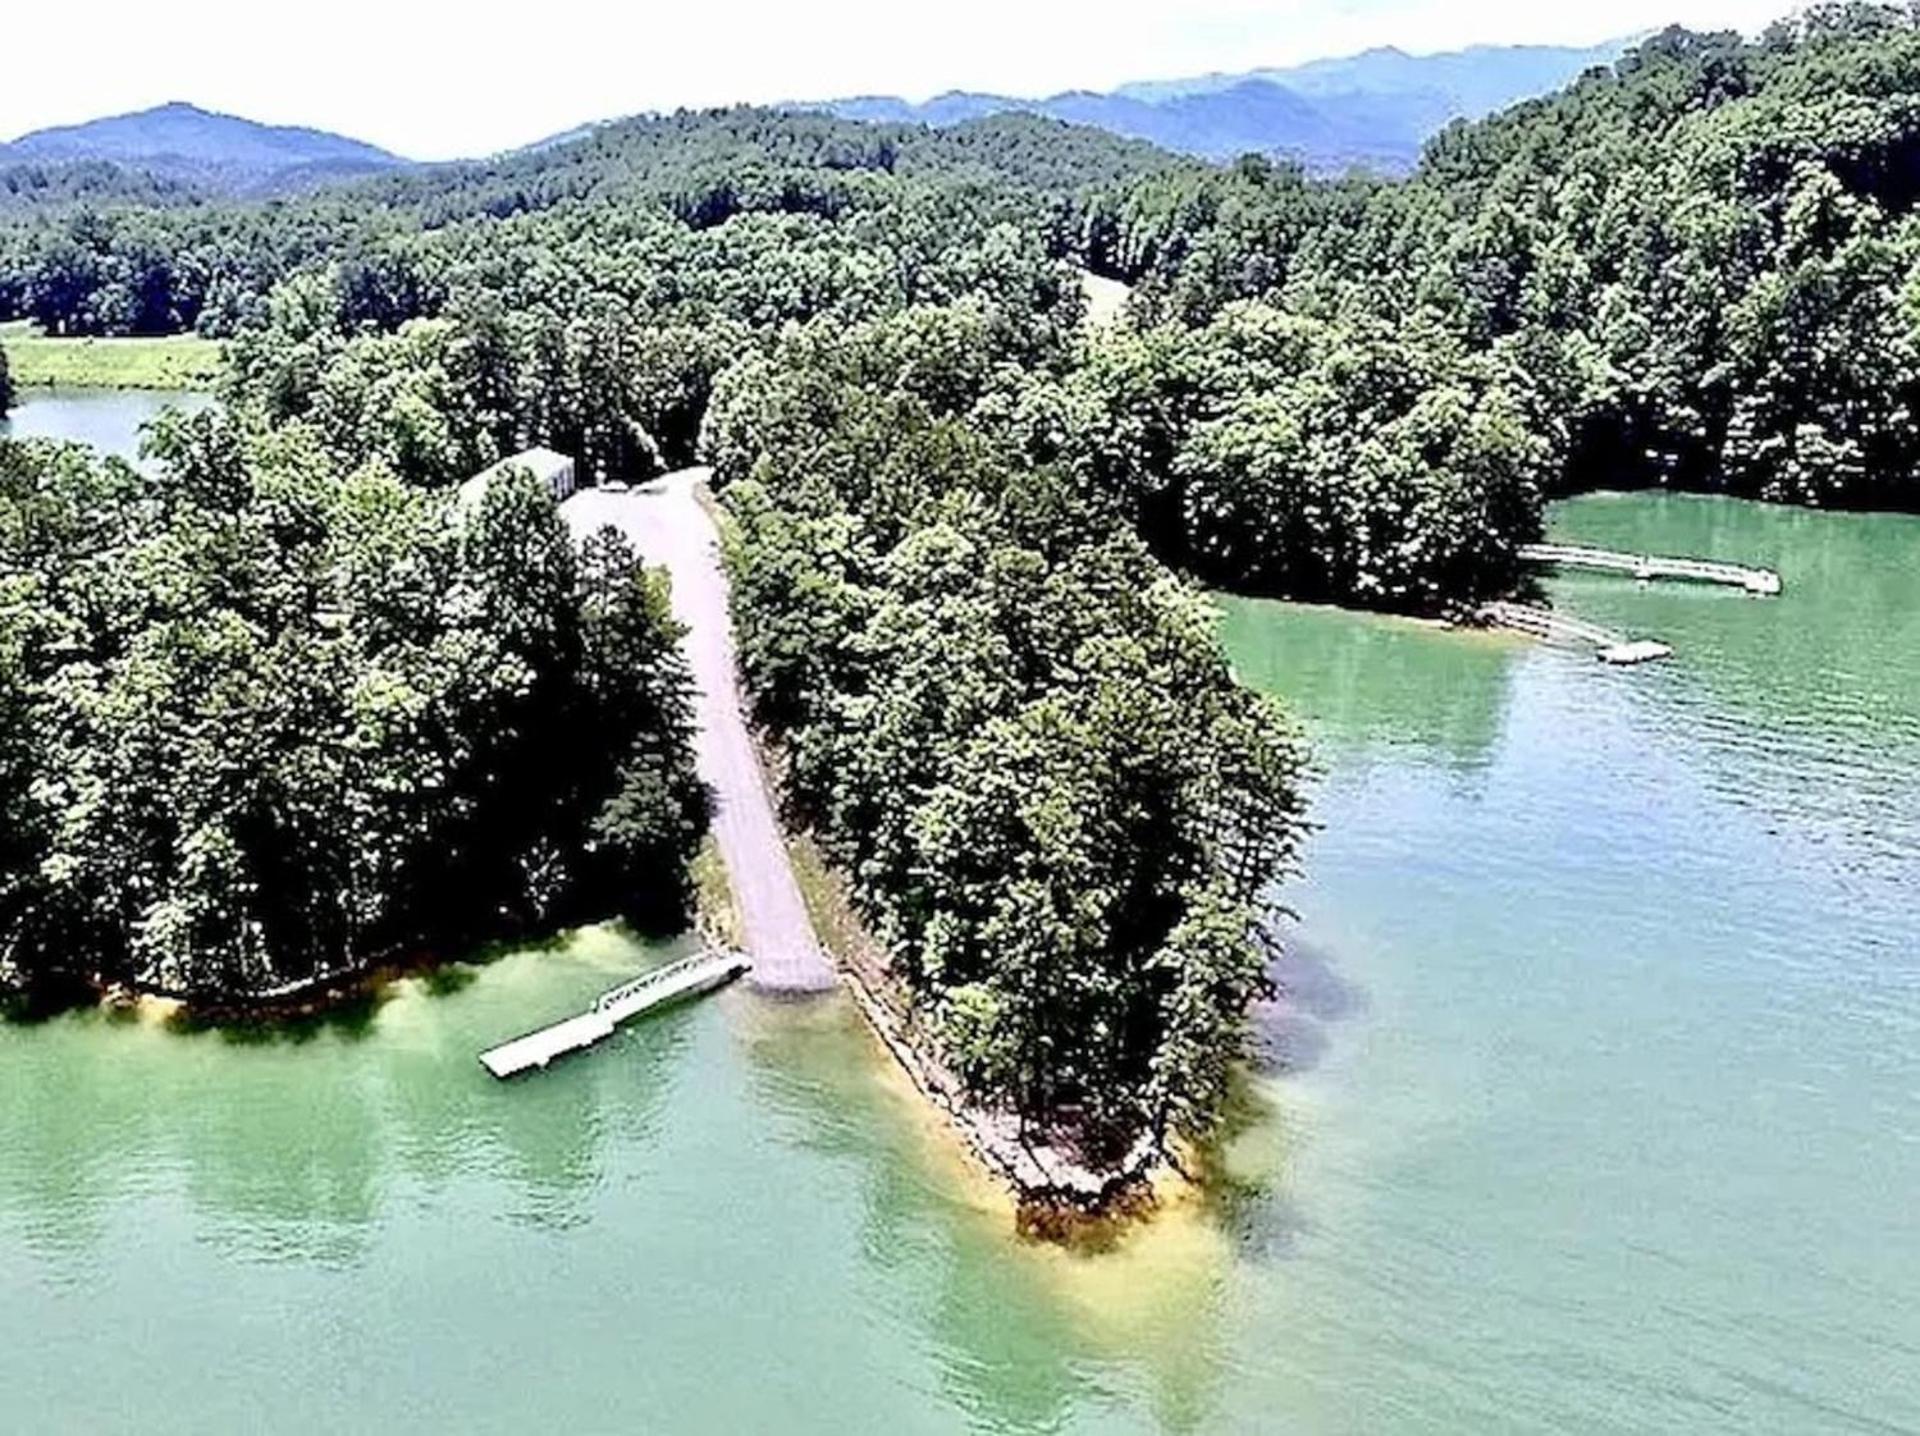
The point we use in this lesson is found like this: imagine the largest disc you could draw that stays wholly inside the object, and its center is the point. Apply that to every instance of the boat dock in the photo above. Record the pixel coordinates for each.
(1647, 567)
(1610, 646)
(701, 973)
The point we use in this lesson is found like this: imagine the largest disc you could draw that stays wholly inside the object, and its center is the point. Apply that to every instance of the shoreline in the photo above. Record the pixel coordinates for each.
(108, 384)
(309, 999)
(1055, 1195)
(1052, 1188)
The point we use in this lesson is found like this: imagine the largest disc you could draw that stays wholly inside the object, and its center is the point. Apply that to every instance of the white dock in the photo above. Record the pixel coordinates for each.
(1647, 567)
(1544, 623)
(686, 978)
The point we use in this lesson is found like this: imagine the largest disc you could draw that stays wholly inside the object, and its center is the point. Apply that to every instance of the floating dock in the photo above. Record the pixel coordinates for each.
(1647, 567)
(1544, 623)
(686, 978)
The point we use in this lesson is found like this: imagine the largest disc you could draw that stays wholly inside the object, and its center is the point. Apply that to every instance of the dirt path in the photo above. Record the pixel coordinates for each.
(666, 524)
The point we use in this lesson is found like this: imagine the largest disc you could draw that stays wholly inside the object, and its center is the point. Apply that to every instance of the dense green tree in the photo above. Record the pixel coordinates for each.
(1011, 726)
(269, 720)
(1277, 453)
(1707, 252)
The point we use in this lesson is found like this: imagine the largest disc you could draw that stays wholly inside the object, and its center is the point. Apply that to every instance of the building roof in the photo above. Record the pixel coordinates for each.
(544, 464)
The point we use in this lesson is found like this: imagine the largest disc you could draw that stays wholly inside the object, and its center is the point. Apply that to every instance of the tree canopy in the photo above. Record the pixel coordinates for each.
(268, 721)
(1009, 723)
(1698, 267)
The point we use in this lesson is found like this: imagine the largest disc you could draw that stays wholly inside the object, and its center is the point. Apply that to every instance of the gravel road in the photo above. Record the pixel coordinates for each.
(666, 524)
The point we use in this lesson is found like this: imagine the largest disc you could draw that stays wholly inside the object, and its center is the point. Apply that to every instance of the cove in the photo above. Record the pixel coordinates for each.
(1591, 1106)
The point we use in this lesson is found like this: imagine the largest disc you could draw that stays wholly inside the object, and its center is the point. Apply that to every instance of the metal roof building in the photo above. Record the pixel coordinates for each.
(556, 471)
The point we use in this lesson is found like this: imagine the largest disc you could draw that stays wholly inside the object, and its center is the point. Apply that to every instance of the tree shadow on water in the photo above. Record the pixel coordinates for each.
(449, 979)
(1242, 1170)
(1291, 1032)
(36, 1006)
(351, 1017)
(1246, 1166)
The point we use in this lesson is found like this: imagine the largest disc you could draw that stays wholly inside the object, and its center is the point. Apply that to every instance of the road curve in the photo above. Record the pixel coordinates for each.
(668, 527)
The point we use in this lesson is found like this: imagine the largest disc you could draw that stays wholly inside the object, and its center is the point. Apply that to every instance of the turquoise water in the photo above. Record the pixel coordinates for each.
(1594, 1106)
(1619, 1117)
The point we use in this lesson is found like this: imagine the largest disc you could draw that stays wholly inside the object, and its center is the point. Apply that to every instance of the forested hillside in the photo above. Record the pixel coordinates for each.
(594, 300)
(43, 187)
(966, 522)
(1012, 728)
(1697, 270)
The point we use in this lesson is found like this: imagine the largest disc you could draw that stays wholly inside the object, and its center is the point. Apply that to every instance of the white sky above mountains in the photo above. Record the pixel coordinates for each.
(436, 79)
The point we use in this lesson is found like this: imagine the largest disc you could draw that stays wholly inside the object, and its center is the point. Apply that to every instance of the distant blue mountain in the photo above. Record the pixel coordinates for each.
(183, 142)
(1373, 111)
(1472, 82)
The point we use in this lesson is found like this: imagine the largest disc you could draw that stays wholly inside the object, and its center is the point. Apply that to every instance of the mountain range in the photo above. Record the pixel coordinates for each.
(182, 142)
(1373, 111)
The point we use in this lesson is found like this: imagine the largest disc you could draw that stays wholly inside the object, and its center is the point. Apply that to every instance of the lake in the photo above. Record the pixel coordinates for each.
(1594, 1106)
(108, 419)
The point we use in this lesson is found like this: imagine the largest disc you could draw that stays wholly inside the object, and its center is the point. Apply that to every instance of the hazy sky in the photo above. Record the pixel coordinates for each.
(434, 80)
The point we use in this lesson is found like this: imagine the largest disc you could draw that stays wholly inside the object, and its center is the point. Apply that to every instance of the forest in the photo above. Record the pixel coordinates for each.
(276, 711)
(1006, 720)
(1696, 269)
(268, 722)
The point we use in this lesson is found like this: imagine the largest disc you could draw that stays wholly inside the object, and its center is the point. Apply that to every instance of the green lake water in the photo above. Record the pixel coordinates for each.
(1594, 1106)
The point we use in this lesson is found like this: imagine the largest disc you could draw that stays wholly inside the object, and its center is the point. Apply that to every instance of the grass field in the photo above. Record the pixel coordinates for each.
(183, 361)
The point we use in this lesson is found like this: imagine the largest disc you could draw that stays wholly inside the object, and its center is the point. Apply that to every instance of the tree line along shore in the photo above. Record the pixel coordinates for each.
(286, 706)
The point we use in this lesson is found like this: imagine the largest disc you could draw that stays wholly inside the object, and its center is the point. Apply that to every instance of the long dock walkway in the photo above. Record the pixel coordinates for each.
(1544, 623)
(700, 973)
(1762, 581)
(666, 524)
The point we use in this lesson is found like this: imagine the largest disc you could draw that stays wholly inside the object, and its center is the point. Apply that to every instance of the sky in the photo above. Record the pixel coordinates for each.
(434, 79)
